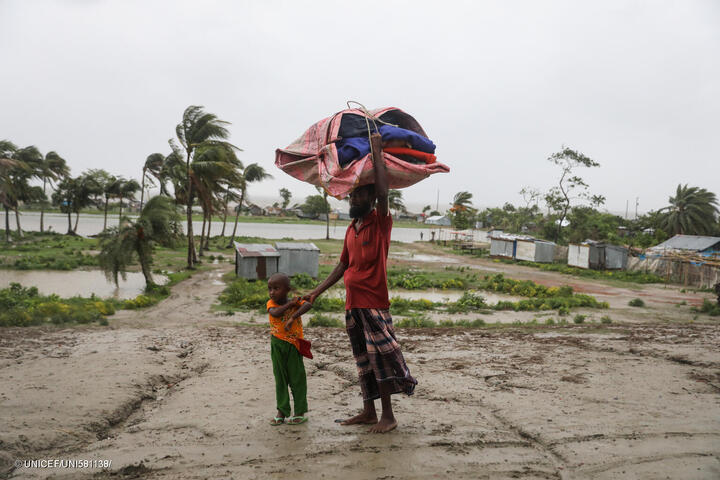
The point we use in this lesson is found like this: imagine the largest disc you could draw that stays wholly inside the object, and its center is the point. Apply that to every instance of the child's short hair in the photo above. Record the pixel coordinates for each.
(280, 277)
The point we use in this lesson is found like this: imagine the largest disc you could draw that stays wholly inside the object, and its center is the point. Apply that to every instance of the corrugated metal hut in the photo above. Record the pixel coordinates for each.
(534, 250)
(598, 256)
(298, 258)
(502, 246)
(604, 256)
(256, 261)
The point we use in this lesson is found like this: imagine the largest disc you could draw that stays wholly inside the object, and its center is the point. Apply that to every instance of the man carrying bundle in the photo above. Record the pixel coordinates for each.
(363, 265)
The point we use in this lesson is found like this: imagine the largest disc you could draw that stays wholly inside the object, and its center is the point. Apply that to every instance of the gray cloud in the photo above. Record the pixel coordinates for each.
(497, 85)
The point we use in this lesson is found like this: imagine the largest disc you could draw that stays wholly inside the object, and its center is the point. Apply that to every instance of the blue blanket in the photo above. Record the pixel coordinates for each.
(353, 148)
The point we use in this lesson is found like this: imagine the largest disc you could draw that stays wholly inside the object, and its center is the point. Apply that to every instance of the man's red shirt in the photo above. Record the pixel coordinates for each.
(365, 253)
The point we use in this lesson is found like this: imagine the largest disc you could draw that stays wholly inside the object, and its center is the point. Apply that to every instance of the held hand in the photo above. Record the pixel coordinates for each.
(310, 297)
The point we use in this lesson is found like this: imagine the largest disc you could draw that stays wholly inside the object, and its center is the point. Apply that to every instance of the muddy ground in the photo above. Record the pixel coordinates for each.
(179, 392)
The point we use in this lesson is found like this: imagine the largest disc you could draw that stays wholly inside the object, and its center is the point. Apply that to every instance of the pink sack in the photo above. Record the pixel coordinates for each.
(313, 157)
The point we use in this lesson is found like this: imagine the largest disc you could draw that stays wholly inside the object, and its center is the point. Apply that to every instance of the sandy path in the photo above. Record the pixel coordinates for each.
(177, 392)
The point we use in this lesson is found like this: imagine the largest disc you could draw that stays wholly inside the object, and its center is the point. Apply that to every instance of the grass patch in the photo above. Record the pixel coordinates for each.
(621, 275)
(636, 302)
(320, 320)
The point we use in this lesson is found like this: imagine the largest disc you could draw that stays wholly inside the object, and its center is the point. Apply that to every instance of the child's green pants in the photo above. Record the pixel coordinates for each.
(289, 370)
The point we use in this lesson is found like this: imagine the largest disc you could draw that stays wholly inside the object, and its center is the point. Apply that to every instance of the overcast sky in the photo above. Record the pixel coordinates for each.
(497, 85)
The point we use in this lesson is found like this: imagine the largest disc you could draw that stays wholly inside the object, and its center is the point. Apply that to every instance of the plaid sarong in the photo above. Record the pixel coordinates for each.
(377, 353)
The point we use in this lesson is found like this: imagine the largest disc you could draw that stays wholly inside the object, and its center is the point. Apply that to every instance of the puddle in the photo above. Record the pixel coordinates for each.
(78, 283)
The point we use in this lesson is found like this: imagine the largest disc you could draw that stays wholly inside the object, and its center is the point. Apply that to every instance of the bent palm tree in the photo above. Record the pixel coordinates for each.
(692, 211)
(7, 165)
(198, 129)
(52, 168)
(158, 223)
(153, 166)
(395, 201)
(252, 173)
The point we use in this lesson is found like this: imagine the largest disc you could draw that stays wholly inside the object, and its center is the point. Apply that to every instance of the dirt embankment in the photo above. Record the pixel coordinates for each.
(178, 392)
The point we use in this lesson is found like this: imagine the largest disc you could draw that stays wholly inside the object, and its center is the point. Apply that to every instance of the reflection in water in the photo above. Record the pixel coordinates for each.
(77, 283)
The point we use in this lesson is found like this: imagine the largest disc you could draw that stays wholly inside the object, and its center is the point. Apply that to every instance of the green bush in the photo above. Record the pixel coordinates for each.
(21, 306)
(711, 308)
(636, 302)
(579, 318)
(303, 280)
(605, 319)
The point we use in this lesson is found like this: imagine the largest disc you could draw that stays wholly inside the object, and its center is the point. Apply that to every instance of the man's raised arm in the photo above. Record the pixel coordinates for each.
(381, 180)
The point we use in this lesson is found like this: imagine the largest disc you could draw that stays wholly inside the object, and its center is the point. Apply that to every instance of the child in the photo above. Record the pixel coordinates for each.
(288, 368)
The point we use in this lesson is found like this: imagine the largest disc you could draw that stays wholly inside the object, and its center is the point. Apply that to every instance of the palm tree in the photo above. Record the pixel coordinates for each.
(74, 194)
(52, 168)
(395, 201)
(158, 223)
(108, 184)
(153, 166)
(692, 211)
(7, 164)
(213, 170)
(31, 159)
(198, 129)
(126, 189)
(286, 196)
(462, 200)
(252, 173)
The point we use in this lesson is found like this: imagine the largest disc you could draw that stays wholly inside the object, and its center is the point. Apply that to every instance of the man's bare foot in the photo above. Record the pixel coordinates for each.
(384, 425)
(362, 418)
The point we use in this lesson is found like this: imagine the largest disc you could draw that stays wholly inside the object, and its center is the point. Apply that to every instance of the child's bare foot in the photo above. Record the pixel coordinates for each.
(363, 418)
(384, 425)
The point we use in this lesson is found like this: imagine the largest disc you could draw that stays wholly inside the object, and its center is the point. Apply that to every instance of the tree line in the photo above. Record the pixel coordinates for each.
(572, 213)
(202, 167)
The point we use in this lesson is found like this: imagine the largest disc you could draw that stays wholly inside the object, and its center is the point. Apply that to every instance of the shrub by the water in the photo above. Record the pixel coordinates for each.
(23, 306)
(636, 302)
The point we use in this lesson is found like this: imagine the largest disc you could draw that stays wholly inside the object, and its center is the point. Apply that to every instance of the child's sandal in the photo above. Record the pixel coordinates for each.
(277, 421)
(297, 420)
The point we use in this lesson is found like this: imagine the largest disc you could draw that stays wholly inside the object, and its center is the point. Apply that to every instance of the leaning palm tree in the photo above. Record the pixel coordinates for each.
(158, 223)
(153, 166)
(198, 129)
(52, 168)
(20, 176)
(7, 165)
(692, 211)
(252, 173)
(462, 199)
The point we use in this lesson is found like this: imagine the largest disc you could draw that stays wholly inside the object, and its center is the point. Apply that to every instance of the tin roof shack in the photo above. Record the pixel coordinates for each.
(441, 220)
(598, 256)
(502, 246)
(534, 250)
(702, 245)
(298, 258)
(505, 244)
(256, 261)
(579, 255)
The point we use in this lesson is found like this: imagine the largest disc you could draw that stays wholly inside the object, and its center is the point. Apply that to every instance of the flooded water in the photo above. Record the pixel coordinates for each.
(93, 224)
(77, 283)
(421, 257)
